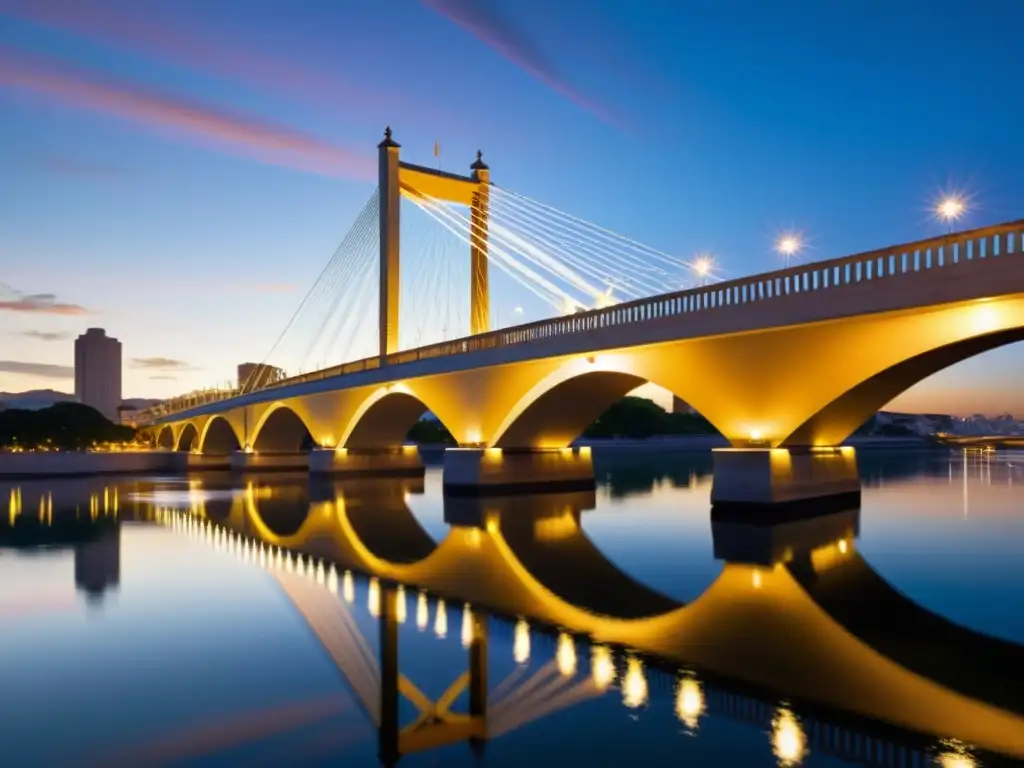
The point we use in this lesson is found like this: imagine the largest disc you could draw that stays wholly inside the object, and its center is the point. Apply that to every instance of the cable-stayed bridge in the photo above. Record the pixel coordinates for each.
(786, 365)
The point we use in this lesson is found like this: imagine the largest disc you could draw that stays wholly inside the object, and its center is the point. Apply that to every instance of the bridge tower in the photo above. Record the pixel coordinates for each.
(396, 178)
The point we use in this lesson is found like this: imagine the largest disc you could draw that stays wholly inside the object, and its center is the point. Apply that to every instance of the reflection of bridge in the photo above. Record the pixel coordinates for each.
(777, 362)
(795, 610)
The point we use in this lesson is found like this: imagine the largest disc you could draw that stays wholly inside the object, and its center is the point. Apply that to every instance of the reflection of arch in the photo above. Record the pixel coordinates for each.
(838, 420)
(188, 438)
(383, 420)
(166, 437)
(281, 430)
(557, 415)
(219, 437)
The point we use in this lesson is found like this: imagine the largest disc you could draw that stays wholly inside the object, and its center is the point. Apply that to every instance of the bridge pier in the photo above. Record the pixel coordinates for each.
(487, 471)
(268, 461)
(400, 461)
(774, 477)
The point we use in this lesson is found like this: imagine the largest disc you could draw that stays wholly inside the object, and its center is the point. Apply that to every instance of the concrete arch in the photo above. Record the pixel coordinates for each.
(219, 437)
(383, 419)
(281, 430)
(165, 438)
(840, 418)
(188, 438)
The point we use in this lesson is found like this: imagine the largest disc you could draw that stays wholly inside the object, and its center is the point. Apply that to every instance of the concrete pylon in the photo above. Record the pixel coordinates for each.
(390, 199)
(479, 291)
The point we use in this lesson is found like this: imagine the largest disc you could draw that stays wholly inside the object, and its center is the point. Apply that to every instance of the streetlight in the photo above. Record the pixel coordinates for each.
(703, 266)
(788, 245)
(949, 209)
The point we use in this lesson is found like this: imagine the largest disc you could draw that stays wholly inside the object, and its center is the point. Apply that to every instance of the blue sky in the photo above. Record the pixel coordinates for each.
(182, 171)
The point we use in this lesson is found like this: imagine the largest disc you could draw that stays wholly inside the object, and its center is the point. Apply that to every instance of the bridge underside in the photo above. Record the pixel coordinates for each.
(793, 387)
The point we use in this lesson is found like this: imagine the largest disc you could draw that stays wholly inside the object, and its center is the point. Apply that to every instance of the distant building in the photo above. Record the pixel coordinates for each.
(256, 375)
(98, 564)
(98, 372)
(127, 415)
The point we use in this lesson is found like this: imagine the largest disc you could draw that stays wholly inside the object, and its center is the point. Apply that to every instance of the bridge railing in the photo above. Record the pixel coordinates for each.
(976, 245)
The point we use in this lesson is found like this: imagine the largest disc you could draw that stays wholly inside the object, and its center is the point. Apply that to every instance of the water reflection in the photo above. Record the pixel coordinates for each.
(796, 634)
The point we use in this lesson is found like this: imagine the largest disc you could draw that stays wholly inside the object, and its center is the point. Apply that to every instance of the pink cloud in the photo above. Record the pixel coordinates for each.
(162, 38)
(241, 135)
(12, 300)
(488, 26)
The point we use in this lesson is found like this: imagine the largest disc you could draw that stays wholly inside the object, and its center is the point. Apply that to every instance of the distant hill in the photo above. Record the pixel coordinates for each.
(36, 399)
(62, 425)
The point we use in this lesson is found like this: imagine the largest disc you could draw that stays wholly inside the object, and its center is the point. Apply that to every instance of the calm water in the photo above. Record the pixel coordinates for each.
(160, 621)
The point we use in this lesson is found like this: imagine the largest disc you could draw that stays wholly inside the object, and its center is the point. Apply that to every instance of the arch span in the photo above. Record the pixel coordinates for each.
(219, 437)
(188, 438)
(840, 418)
(281, 430)
(383, 420)
(165, 439)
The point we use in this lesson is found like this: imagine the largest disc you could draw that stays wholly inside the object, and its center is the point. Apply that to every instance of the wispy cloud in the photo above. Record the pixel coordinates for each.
(271, 288)
(180, 117)
(69, 167)
(43, 370)
(163, 377)
(134, 28)
(481, 19)
(12, 300)
(160, 364)
(43, 335)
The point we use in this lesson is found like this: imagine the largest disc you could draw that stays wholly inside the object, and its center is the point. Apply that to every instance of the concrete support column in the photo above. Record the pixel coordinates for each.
(388, 734)
(479, 292)
(390, 199)
(400, 461)
(769, 477)
(491, 471)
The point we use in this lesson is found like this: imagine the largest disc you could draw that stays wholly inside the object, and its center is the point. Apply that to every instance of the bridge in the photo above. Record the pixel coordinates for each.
(786, 365)
(795, 611)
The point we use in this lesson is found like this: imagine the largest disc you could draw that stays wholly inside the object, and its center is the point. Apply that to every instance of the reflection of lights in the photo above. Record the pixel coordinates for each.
(689, 702)
(634, 685)
(756, 579)
(843, 546)
(348, 588)
(400, 604)
(373, 598)
(422, 612)
(602, 668)
(332, 578)
(565, 656)
(441, 622)
(467, 626)
(789, 744)
(521, 642)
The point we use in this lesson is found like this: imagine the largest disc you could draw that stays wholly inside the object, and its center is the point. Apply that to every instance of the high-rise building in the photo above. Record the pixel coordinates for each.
(98, 372)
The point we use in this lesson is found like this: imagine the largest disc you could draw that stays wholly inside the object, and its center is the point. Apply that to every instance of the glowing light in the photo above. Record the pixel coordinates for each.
(950, 208)
(441, 621)
(473, 437)
(565, 656)
(373, 597)
(789, 744)
(422, 612)
(521, 642)
(348, 588)
(518, 310)
(756, 579)
(755, 435)
(467, 626)
(788, 245)
(634, 685)
(955, 756)
(843, 546)
(689, 702)
(401, 609)
(703, 266)
(332, 578)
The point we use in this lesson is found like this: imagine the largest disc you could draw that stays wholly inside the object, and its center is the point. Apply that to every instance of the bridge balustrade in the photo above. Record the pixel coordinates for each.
(975, 246)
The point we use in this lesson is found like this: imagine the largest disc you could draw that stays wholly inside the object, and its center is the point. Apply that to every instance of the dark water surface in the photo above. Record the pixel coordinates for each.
(274, 621)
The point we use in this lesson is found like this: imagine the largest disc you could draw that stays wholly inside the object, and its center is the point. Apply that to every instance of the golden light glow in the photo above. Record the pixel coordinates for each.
(755, 435)
(950, 208)
(565, 656)
(789, 244)
(955, 755)
(521, 642)
(689, 702)
(341, 451)
(422, 612)
(373, 597)
(602, 667)
(401, 608)
(473, 437)
(441, 620)
(843, 546)
(704, 265)
(467, 626)
(634, 684)
(756, 579)
(789, 744)
(348, 588)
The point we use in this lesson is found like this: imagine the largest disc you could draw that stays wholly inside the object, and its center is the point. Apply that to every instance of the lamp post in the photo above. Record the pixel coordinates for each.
(949, 209)
(788, 246)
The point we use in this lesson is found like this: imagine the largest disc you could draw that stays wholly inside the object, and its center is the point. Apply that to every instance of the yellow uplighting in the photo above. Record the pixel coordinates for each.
(467, 626)
(565, 656)
(373, 598)
(634, 685)
(757, 579)
(843, 546)
(755, 436)
(955, 755)
(521, 642)
(401, 609)
(441, 621)
(789, 744)
(689, 702)
(422, 612)
(602, 667)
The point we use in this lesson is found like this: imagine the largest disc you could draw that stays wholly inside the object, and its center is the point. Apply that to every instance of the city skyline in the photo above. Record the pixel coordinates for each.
(183, 187)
